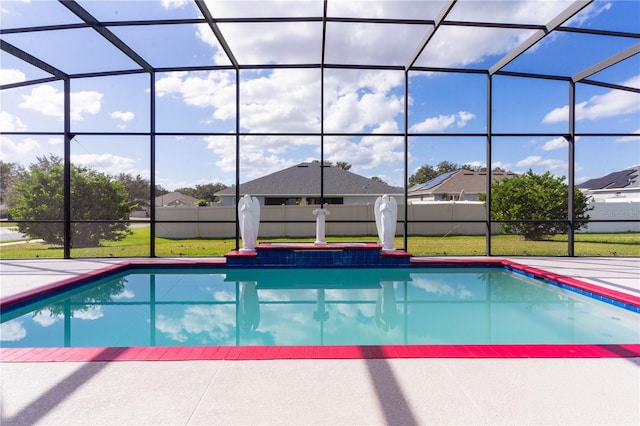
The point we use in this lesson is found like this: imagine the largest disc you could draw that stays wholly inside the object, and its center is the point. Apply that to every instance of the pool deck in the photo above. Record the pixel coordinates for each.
(333, 391)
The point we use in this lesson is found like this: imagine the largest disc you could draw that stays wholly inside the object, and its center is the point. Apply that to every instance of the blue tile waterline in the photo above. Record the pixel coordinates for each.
(587, 293)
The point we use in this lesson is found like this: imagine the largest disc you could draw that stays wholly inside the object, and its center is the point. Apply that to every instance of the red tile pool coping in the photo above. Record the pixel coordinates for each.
(187, 353)
(245, 353)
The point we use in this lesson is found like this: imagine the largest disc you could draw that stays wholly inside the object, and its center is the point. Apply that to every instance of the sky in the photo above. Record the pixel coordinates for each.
(282, 100)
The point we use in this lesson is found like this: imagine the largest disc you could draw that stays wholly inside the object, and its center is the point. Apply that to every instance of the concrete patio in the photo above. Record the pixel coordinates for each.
(349, 392)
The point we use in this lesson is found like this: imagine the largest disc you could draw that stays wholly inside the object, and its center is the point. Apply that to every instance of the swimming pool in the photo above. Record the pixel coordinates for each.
(396, 308)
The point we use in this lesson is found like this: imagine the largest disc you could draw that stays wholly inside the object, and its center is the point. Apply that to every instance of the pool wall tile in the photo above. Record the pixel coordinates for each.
(367, 255)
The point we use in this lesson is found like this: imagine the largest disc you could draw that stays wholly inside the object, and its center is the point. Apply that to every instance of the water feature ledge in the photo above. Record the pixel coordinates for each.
(310, 255)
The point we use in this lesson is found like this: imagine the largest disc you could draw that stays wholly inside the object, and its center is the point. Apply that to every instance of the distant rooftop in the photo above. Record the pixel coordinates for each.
(304, 180)
(624, 179)
(470, 181)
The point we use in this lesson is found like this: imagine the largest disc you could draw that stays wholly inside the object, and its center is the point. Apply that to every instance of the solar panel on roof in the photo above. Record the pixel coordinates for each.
(435, 181)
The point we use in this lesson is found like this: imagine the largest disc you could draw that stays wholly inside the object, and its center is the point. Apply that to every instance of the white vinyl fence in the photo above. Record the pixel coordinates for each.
(287, 221)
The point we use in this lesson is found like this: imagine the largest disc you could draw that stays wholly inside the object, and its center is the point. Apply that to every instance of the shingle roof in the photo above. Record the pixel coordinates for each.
(173, 197)
(628, 178)
(453, 182)
(304, 179)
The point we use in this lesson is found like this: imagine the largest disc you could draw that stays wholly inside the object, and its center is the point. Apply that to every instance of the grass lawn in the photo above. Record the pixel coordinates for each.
(137, 245)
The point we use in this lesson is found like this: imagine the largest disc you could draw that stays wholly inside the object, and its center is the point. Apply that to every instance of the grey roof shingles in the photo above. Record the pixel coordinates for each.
(304, 180)
(453, 182)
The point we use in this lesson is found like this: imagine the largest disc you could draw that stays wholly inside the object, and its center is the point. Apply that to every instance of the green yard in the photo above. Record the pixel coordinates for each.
(137, 245)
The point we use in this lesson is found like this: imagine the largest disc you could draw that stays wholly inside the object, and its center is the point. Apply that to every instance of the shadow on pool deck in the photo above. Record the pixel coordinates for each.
(50, 399)
(390, 396)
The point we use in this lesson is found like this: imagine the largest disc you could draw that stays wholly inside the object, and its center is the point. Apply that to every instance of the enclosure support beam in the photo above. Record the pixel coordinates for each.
(430, 33)
(489, 161)
(405, 242)
(237, 158)
(625, 54)
(66, 180)
(567, 14)
(152, 165)
(571, 138)
(216, 31)
(98, 26)
(324, 45)
(30, 59)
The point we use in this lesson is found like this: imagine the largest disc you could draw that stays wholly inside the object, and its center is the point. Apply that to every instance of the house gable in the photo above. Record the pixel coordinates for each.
(303, 180)
(174, 199)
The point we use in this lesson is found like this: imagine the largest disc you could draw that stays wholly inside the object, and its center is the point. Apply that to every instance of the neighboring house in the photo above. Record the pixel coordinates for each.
(175, 199)
(300, 185)
(615, 187)
(458, 185)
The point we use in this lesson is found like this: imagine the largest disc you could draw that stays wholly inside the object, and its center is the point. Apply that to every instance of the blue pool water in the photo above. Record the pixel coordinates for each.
(191, 307)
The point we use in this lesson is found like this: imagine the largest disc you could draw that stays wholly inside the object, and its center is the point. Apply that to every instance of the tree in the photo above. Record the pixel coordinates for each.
(94, 197)
(378, 179)
(205, 192)
(422, 175)
(138, 189)
(208, 191)
(339, 164)
(343, 165)
(536, 197)
(427, 172)
(85, 300)
(446, 167)
(10, 174)
(191, 192)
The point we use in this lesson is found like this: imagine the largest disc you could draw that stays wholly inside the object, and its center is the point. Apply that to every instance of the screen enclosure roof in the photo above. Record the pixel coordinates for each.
(521, 38)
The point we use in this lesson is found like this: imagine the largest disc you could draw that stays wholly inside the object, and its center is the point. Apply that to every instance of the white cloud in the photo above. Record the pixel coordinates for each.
(283, 100)
(553, 144)
(442, 122)
(442, 288)
(357, 113)
(298, 42)
(12, 331)
(611, 104)
(205, 322)
(366, 152)
(367, 43)
(124, 116)
(106, 163)
(630, 138)
(259, 155)
(475, 164)
(537, 161)
(589, 12)
(215, 89)
(462, 46)
(55, 141)
(288, 101)
(91, 313)
(11, 123)
(11, 150)
(46, 318)
(10, 75)
(126, 294)
(47, 100)
(174, 4)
